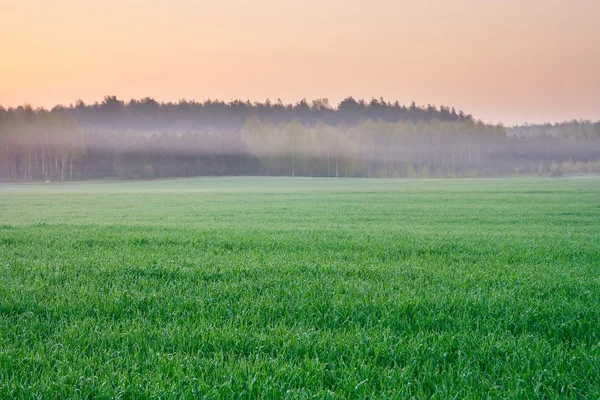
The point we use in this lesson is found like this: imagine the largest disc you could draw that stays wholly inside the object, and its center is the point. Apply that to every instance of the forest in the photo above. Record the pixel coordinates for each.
(147, 139)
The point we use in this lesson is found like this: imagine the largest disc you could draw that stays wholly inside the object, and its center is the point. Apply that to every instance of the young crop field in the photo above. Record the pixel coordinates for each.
(300, 288)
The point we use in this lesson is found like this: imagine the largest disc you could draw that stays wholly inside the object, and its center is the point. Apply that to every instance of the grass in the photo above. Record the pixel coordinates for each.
(270, 288)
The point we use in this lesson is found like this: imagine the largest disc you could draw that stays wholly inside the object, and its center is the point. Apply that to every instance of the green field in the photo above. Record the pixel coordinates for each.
(281, 287)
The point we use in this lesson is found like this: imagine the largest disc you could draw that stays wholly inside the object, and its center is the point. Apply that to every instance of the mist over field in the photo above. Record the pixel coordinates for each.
(145, 139)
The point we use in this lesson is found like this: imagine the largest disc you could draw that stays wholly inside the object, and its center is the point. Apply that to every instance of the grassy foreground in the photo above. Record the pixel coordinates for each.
(269, 288)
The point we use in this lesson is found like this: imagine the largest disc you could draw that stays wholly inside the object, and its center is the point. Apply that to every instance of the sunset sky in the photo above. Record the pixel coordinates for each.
(511, 60)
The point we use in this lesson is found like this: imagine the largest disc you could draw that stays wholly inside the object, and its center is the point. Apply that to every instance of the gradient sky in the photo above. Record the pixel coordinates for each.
(501, 60)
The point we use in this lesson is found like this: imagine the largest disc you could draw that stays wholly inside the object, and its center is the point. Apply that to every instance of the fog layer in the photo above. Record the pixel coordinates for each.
(147, 139)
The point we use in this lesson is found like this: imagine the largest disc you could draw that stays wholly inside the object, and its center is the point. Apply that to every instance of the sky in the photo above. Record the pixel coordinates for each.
(509, 61)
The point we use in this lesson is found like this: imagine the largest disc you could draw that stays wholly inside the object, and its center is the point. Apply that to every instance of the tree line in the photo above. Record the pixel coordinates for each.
(39, 145)
(422, 149)
(568, 129)
(148, 114)
(42, 145)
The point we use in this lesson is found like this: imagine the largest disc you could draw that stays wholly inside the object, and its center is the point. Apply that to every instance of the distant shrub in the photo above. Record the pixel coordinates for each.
(471, 173)
(555, 169)
(567, 167)
(410, 172)
(579, 167)
(589, 166)
(424, 173)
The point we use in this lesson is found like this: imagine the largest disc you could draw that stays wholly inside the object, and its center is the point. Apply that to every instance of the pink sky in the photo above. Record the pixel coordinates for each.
(510, 61)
